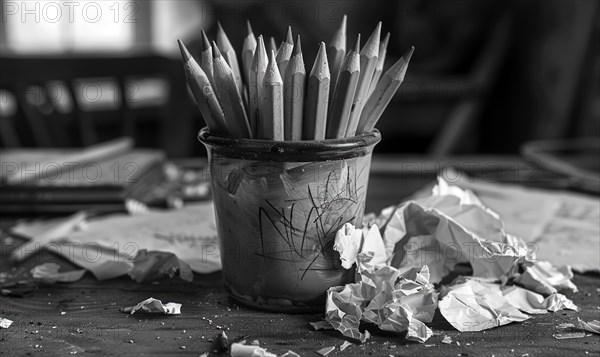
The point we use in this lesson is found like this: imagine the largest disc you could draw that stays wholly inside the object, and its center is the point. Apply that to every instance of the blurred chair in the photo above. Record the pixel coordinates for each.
(80, 100)
(439, 113)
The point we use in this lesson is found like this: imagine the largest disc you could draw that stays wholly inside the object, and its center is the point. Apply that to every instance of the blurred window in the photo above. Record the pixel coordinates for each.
(67, 26)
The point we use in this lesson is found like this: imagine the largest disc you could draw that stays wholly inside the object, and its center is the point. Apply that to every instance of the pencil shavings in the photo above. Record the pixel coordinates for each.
(345, 345)
(153, 265)
(152, 305)
(48, 273)
(568, 336)
(241, 350)
(592, 326)
(447, 340)
(325, 350)
(5, 323)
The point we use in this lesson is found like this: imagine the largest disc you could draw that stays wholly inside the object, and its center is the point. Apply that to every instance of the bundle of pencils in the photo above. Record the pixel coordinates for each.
(271, 96)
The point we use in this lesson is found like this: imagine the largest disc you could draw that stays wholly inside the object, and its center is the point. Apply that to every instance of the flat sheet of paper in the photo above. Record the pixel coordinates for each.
(190, 233)
(564, 226)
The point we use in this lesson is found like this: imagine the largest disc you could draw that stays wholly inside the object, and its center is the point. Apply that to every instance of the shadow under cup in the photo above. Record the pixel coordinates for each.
(278, 206)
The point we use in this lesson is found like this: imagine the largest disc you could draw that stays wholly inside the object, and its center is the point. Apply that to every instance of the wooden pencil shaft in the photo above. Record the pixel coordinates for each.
(206, 58)
(293, 105)
(206, 63)
(368, 61)
(248, 49)
(271, 125)
(380, 62)
(383, 94)
(343, 97)
(205, 98)
(294, 83)
(336, 52)
(229, 97)
(257, 74)
(317, 98)
(283, 56)
(230, 56)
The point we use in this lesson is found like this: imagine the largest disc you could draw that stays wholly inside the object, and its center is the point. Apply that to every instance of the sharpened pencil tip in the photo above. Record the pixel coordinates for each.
(344, 21)
(338, 41)
(205, 41)
(371, 47)
(216, 52)
(185, 54)
(288, 36)
(297, 47)
(272, 57)
(249, 27)
(320, 68)
(357, 44)
(406, 57)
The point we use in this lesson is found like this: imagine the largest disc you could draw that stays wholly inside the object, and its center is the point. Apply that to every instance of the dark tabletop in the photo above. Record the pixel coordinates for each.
(84, 317)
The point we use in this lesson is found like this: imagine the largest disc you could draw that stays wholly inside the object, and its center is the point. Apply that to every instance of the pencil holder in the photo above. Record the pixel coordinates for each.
(278, 206)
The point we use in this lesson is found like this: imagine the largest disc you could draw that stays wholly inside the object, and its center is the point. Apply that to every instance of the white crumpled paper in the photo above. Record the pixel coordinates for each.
(393, 299)
(152, 305)
(422, 242)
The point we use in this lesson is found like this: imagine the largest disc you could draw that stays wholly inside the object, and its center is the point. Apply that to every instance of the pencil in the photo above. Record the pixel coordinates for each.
(206, 58)
(229, 97)
(380, 62)
(339, 113)
(203, 93)
(368, 61)
(293, 95)
(272, 45)
(317, 98)
(271, 124)
(257, 74)
(383, 93)
(58, 231)
(285, 51)
(230, 55)
(248, 52)
(336, 51)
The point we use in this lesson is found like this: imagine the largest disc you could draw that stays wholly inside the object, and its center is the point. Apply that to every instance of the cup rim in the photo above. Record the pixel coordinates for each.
(305, 150)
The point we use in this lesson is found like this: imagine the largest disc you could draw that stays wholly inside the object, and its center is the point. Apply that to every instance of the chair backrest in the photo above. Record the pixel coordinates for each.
(81, 100)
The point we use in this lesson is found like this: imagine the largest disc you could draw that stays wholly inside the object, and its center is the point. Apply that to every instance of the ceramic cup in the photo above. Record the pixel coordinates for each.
(278, 206)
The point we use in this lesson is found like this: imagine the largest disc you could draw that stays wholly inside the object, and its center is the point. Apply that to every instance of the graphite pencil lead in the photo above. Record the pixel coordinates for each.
(356, 47)
(297, 47)
(216, 52)
(288, 36)
(185, 54)
(249, 28)
(205, 41)
(408, 54)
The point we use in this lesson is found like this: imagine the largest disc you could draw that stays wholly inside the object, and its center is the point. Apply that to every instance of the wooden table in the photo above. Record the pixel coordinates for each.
(84, 317)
